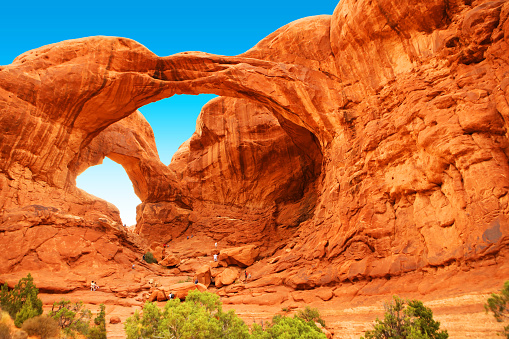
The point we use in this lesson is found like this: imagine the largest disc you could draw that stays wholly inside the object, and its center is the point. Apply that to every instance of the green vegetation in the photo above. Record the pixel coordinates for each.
(201, 316)
(149, 258)
(311, 314)
(21, 302)
(498, 305)
(42, 326)
(288, 328)
(99, 330)
(406, 319)
(71, 317)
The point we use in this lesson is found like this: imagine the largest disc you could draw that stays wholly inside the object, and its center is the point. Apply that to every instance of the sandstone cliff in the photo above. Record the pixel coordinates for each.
(370, 144)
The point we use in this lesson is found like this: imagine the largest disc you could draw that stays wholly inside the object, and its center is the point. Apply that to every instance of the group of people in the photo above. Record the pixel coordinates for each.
(93, 286)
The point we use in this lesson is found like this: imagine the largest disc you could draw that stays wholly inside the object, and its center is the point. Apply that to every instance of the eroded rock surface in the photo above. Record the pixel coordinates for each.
(368, 146)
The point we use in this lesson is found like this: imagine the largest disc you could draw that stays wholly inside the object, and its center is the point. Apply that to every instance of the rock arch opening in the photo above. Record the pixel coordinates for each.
(110, 182)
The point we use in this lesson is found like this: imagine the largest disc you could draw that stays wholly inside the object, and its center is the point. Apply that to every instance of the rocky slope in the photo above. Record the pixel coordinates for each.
(368, 148)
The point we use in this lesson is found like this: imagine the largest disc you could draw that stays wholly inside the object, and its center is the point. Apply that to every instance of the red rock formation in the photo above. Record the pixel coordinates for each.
(394, 162)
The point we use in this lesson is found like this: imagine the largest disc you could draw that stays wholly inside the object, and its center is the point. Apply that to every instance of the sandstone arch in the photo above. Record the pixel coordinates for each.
(409, 118)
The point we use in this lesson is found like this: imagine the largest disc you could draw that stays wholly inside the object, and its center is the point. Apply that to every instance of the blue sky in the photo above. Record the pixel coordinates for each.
(166, 27)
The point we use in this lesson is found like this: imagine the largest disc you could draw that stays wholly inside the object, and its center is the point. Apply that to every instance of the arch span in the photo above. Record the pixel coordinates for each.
(85, 85)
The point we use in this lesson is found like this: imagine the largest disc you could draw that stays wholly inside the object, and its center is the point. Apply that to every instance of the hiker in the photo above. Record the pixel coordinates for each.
(196, 281)
(249, 276)
(96, 287)
(245, 275)
(144, 257)
(133, 266)
(215, 257)
(216, 244)
(92, 286)
(171, 296)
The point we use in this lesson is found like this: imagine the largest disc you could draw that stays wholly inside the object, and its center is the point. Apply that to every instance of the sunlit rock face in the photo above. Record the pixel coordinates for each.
(361, 145)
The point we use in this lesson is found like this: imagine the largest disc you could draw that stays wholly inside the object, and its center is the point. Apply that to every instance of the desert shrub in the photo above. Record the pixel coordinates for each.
(19, 334)
(5, 331)
(99, 330)
(23, 297)
(287, 328)
(406, 319)
(149, 257)
(498, 305)
(27, 311)
(71, 317)
(200, 316)
(311, 314)
(42, 326)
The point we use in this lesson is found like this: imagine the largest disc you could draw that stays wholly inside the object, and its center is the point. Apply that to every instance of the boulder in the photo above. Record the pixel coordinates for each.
(243, 256)
(161, 296)
(153, 296)
(182, 289)
(115, 320)
(170, 260)
(203, 274)
(227, 277)
(157, 252)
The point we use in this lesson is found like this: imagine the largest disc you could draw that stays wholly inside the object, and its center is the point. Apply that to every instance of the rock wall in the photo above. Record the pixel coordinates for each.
(361, 145)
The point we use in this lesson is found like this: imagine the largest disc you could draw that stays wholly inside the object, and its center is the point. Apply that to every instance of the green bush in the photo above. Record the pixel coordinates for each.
(42, 326)
(5, 331)
(406, 319)
(287, 328)
(498, 305)
(14, 301)
(26, 312)
(311, 314)
(71, 317)
(149, 257)
(200, 316)
(99, 330)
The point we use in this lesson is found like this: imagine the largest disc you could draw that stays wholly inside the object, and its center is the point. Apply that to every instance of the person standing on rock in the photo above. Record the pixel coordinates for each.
(215, 257)
(92, 286)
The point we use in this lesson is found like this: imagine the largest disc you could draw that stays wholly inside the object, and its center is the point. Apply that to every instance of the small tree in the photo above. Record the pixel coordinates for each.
(26, 312)
(99, 330)
(149, 258)
(287, 328)
(406, 319)
(311, 314)
(200, 316)
(71, 316)
(498, 305)
(13, 301)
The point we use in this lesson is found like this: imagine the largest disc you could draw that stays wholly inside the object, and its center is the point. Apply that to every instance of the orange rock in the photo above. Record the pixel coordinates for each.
(227, 277)
(153, 295)
(203, 275)
(341, 149)
(170, 260)
(241, 256)
(115, 320)
(182, 289)
(325, 331)
(161, 296)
